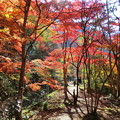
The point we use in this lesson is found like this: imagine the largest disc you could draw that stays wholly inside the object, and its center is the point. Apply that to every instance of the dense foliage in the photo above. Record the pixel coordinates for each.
(44, 44)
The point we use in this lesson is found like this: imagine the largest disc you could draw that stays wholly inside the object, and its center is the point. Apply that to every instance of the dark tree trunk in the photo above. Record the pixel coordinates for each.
(21, 86)
(118, 80)
(23, 65)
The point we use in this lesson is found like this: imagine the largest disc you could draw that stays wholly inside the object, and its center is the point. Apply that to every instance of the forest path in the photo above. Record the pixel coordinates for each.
(70, 112)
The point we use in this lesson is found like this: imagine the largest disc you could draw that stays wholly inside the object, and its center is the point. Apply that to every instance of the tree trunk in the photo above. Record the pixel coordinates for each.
(77, 87)
(23, 65)
(21, 86)
(65, 84)
(118, 80)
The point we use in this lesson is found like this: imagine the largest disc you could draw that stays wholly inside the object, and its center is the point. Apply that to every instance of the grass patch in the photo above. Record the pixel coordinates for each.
(54, 100)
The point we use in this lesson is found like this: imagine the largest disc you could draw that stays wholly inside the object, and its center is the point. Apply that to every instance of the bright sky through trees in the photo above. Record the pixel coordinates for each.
(112, 2)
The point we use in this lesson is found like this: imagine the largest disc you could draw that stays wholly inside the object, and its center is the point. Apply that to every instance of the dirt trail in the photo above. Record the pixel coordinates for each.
(66, 113)
(69, 112)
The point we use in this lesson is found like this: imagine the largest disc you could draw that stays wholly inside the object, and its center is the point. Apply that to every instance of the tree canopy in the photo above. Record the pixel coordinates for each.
(50, 42)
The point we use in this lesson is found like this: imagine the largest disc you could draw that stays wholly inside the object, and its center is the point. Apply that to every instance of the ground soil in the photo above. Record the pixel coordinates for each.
(109, 109)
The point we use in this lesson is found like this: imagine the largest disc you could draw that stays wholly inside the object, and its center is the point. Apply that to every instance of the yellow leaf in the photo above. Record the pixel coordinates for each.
(7, 15)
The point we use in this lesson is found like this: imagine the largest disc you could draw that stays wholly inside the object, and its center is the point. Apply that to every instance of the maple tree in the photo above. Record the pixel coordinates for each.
(111, 44)
(81, 33)
(79, 17)
(23, 22)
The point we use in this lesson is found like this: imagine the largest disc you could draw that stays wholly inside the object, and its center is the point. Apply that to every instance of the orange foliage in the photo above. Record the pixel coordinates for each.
(35, 86)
